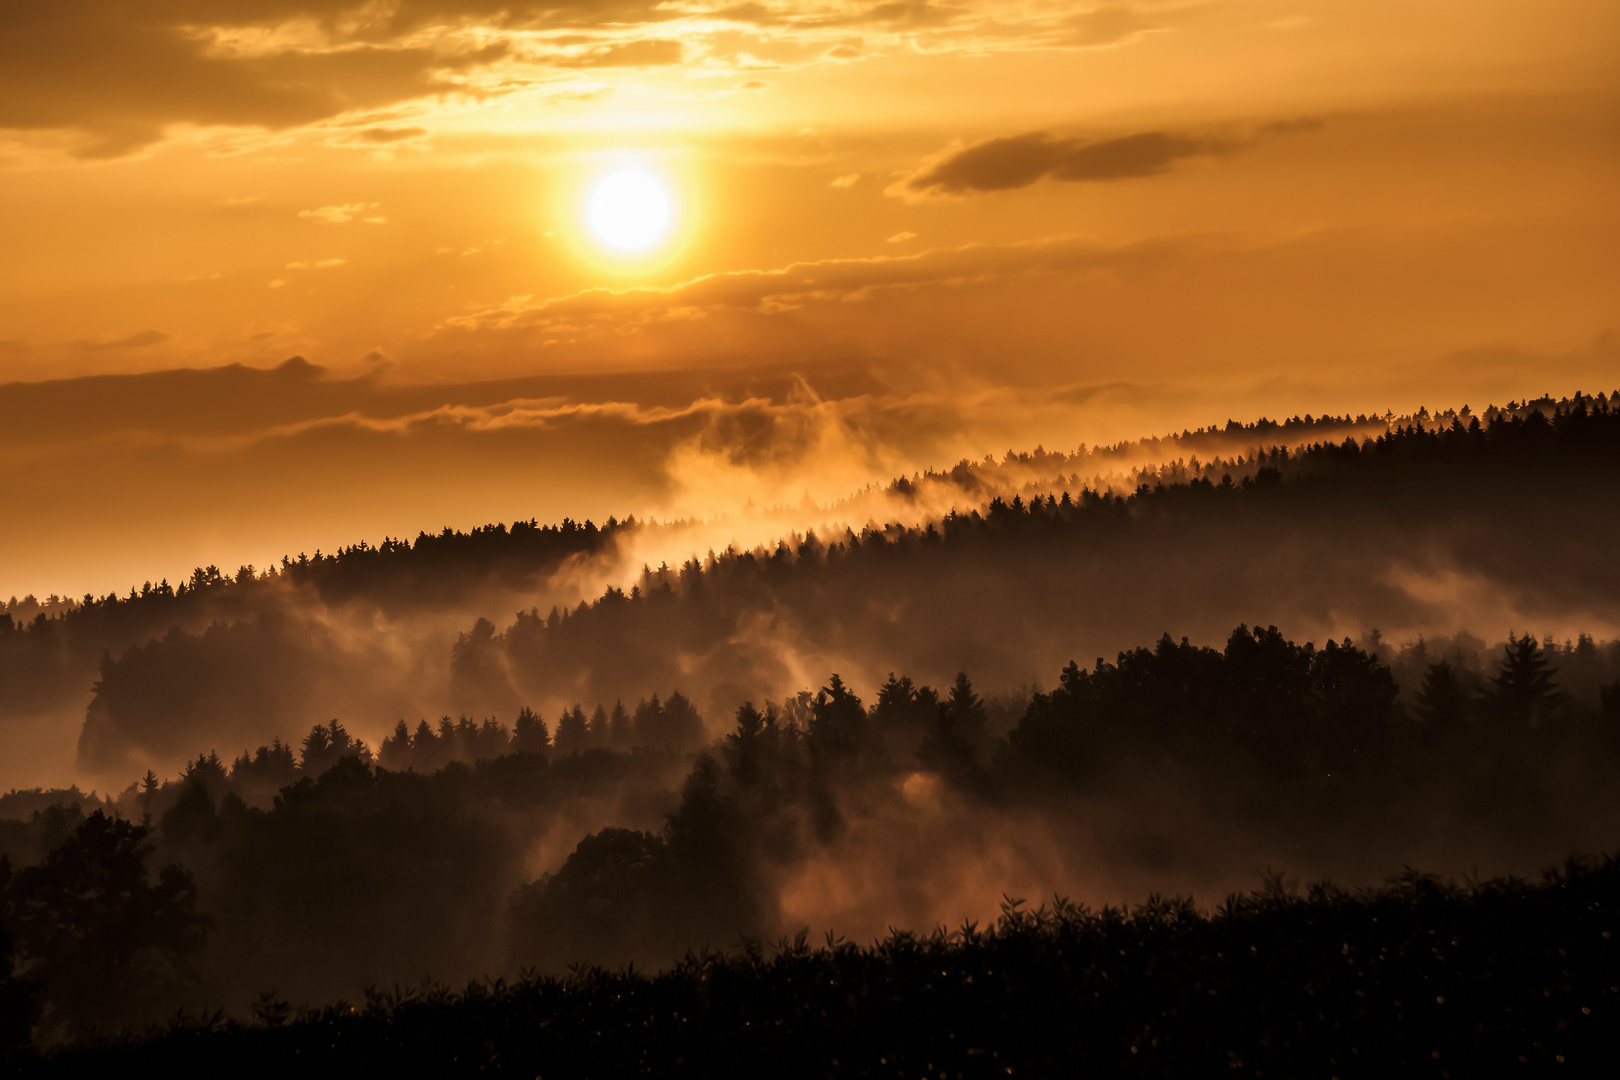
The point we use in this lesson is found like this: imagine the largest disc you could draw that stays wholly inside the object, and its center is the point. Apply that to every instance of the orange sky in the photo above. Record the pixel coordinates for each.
(904, 232)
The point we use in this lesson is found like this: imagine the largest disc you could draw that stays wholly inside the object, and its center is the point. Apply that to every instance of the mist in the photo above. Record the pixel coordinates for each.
(1327, 647)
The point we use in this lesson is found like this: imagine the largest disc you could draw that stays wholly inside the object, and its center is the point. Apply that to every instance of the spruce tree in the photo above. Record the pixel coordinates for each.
(1524, 683)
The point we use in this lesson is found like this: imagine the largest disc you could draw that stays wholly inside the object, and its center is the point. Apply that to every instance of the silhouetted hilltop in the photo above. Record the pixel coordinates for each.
(1431, 527)
(49, 652)
(1235, 447)
(1368, 531)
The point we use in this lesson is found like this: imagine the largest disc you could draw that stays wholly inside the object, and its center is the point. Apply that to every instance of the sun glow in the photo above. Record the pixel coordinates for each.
(629, 210)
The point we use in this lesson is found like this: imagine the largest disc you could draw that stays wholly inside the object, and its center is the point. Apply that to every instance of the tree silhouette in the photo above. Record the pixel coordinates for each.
(745, 748)
(18, 1008)
(573, 735)
(683, 727)
(529, 733)
(709, 847)
(325, 746)
(149, 789)
(314, 747)
(1442, 705)
(951, 745)
(648, 722)
(902, 714)
(967, 711)
(621, 731)
(1525, 691)
(270, 768)
(209, 772)
(109, 945)
(394, 752)
(1609, 703)
(1353, 701)
(837, 722)
(607, 903)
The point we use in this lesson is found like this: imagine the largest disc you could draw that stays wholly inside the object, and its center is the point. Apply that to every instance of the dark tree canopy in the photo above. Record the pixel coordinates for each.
(110, 944)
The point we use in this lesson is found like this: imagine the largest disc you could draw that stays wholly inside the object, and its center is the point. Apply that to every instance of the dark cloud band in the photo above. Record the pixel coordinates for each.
(121, 73)
(1016, 161)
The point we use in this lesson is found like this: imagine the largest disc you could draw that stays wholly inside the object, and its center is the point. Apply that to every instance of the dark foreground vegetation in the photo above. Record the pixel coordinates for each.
(1419, 978)
(309, 877)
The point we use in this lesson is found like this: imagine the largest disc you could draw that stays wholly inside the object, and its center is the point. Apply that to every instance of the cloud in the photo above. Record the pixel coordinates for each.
(1171, 305)
(121, 73)
(1111, 24)
(894, 309)
(648, 52)
(143, 340)
(389, 134)
(580, 97)
(322, 264)
(912, 13)
(902, 237)
(235, 405)
(1015, 161)
(841, 281)
(848, 180)
(1296, 126)
(751, 12)
(344, 213)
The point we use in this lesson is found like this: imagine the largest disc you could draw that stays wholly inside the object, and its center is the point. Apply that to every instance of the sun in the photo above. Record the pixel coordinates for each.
(629, 210)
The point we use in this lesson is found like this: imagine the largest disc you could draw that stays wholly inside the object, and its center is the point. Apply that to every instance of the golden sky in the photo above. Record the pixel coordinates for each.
(901, 232)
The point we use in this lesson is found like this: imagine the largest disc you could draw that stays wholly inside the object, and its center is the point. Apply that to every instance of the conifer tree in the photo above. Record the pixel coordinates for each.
(1442, 704)
(530, 734)
(572, 735)
(1524, 683)
(621, 734)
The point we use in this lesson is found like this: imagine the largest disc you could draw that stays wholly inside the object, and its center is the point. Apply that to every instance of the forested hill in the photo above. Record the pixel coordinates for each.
(889, 726)
(436, 565)
(49, 650)
(1339, 534)
(1382, 533)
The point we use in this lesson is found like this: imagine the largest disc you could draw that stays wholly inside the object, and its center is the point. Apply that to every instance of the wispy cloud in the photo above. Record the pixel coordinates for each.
(345, 213)
(1015, 161)
(143, 340)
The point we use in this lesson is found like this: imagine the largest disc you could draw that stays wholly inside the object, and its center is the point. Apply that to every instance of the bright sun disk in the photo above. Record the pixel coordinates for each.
(629, 210)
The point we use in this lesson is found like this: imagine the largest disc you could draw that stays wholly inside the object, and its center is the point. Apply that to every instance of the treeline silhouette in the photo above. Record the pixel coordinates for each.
(1305, 533)
(314, 870)
(1419, 977)
(553, 823)
(1034, 556)
(673, 724)
(1204, 453)
(50, 650)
